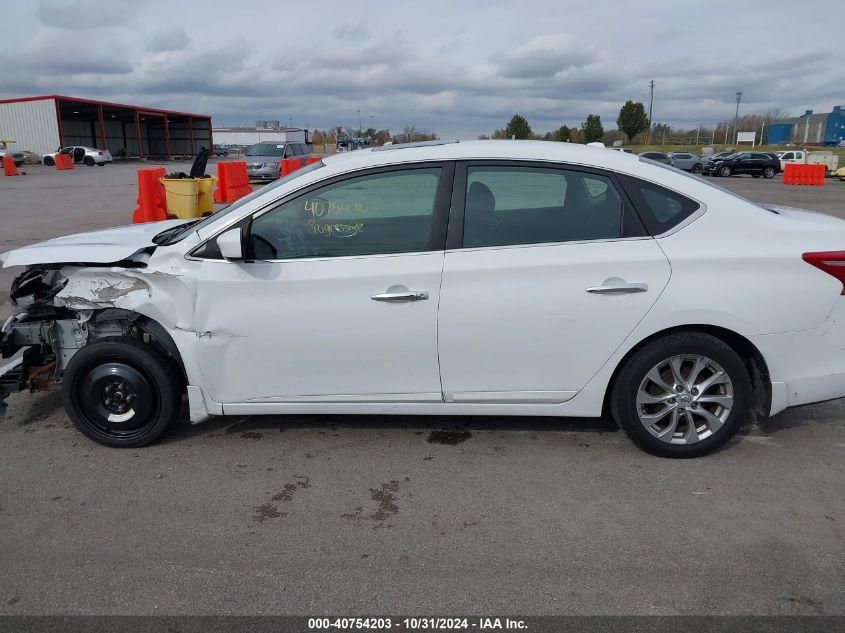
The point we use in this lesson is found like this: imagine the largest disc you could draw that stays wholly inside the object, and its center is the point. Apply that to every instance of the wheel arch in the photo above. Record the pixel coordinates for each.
(152, 332)
(754, 361)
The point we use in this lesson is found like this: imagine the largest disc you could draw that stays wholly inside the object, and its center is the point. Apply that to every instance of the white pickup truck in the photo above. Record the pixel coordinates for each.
(801, 157)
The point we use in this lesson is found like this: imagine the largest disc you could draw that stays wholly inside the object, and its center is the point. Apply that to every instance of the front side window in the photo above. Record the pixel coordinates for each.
(388, 212)
(507, 205)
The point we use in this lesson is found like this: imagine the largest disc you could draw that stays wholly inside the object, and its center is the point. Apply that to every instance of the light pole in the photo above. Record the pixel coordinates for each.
(736, 116)
(650, 104)
(359, 122)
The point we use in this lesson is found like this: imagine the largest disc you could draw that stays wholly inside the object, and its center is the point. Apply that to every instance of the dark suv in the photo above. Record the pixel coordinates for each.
(755, 163)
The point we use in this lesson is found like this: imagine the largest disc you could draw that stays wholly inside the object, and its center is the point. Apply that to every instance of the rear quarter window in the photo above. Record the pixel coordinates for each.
(659, 208)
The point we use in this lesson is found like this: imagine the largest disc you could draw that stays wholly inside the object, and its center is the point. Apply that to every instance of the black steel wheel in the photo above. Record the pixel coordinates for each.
(48, 160)
(88, 160)
(120, 392)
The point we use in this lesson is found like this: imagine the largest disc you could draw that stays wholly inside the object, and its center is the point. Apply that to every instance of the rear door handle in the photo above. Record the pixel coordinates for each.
(618, 289)
(410, 295)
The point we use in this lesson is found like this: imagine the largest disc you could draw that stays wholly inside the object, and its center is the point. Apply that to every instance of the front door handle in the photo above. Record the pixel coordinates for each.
(618, 289)
(409, 295)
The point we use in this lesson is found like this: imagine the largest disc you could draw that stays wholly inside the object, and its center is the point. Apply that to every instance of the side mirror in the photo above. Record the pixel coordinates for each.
(230, 243)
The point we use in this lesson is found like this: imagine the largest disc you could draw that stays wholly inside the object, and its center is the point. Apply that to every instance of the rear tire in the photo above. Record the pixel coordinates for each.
(48, 160)
(88, 161)
(769, 173)
(121, 393)
(662, 399)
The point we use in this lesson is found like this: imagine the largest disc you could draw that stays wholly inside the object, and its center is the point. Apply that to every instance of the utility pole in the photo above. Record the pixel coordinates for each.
(650, 104)
(359, 122)
(736, 116)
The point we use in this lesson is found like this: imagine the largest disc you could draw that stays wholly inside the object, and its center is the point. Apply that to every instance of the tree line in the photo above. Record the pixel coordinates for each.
(632, 127)
(409, 134)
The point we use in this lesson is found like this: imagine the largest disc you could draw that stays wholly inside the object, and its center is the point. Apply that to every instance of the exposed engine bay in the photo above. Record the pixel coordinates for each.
(59, 309)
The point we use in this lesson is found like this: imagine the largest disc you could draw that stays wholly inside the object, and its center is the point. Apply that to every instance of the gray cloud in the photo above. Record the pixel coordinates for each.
(545, 56)
(76, 15)
(457, 68)
(171, 39)
(356, 32)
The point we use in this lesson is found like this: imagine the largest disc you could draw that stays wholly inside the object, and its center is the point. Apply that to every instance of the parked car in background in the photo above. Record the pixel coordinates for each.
(263, 160)
(343, 289)
(81, 154)
(687, 161)
(755, 164)
(17, 157)
(220, 150)
(718, 156)
(626, 150)
(801, 157)
(31, 158)
(660, 157)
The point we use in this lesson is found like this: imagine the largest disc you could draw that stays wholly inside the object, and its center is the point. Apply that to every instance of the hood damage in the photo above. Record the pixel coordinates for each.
(60, 308)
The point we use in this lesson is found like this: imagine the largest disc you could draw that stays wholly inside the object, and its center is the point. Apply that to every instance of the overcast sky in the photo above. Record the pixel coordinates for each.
(457, 68)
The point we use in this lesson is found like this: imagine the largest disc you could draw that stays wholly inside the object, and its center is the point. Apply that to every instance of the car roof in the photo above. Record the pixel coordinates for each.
(572, 153)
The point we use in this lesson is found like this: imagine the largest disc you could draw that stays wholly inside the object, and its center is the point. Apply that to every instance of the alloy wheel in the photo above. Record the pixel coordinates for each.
(685, 399)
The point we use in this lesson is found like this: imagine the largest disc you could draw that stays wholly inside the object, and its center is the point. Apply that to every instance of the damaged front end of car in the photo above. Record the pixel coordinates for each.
(58, 309)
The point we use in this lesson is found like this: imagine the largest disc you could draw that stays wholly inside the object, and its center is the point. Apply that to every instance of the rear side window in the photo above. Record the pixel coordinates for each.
(660, 209)
(510, 205)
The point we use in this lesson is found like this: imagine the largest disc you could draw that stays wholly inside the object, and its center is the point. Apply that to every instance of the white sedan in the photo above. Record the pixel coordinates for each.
(493, 277)
(81, 154)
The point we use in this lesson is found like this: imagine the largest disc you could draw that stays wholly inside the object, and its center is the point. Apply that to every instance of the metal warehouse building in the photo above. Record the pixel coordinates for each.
(43, 124)
(252, 135)
(810, 129)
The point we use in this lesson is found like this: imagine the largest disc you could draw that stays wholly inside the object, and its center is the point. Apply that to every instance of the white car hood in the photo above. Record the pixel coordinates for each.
(95, 247)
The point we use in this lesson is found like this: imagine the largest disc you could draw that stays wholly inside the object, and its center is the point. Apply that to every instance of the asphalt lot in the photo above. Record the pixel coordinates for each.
(431, 516)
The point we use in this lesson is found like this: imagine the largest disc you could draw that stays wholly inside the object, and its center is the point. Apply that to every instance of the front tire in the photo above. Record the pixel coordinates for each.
(684, 395)
(725, 171)
(696, 169)
(48, 161)
(121, 393)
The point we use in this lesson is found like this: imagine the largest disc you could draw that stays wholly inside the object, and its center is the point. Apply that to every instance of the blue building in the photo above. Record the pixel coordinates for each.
(810, 129)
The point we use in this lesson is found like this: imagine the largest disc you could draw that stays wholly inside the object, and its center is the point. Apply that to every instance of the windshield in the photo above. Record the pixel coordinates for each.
(176, 233)
(266, 149)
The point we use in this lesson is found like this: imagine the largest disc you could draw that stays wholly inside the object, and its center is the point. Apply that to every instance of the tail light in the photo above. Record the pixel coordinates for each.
(831, 262)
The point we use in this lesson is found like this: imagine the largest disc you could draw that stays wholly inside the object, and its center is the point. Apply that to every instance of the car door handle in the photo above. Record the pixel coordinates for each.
(611, 289)
(410, 295)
